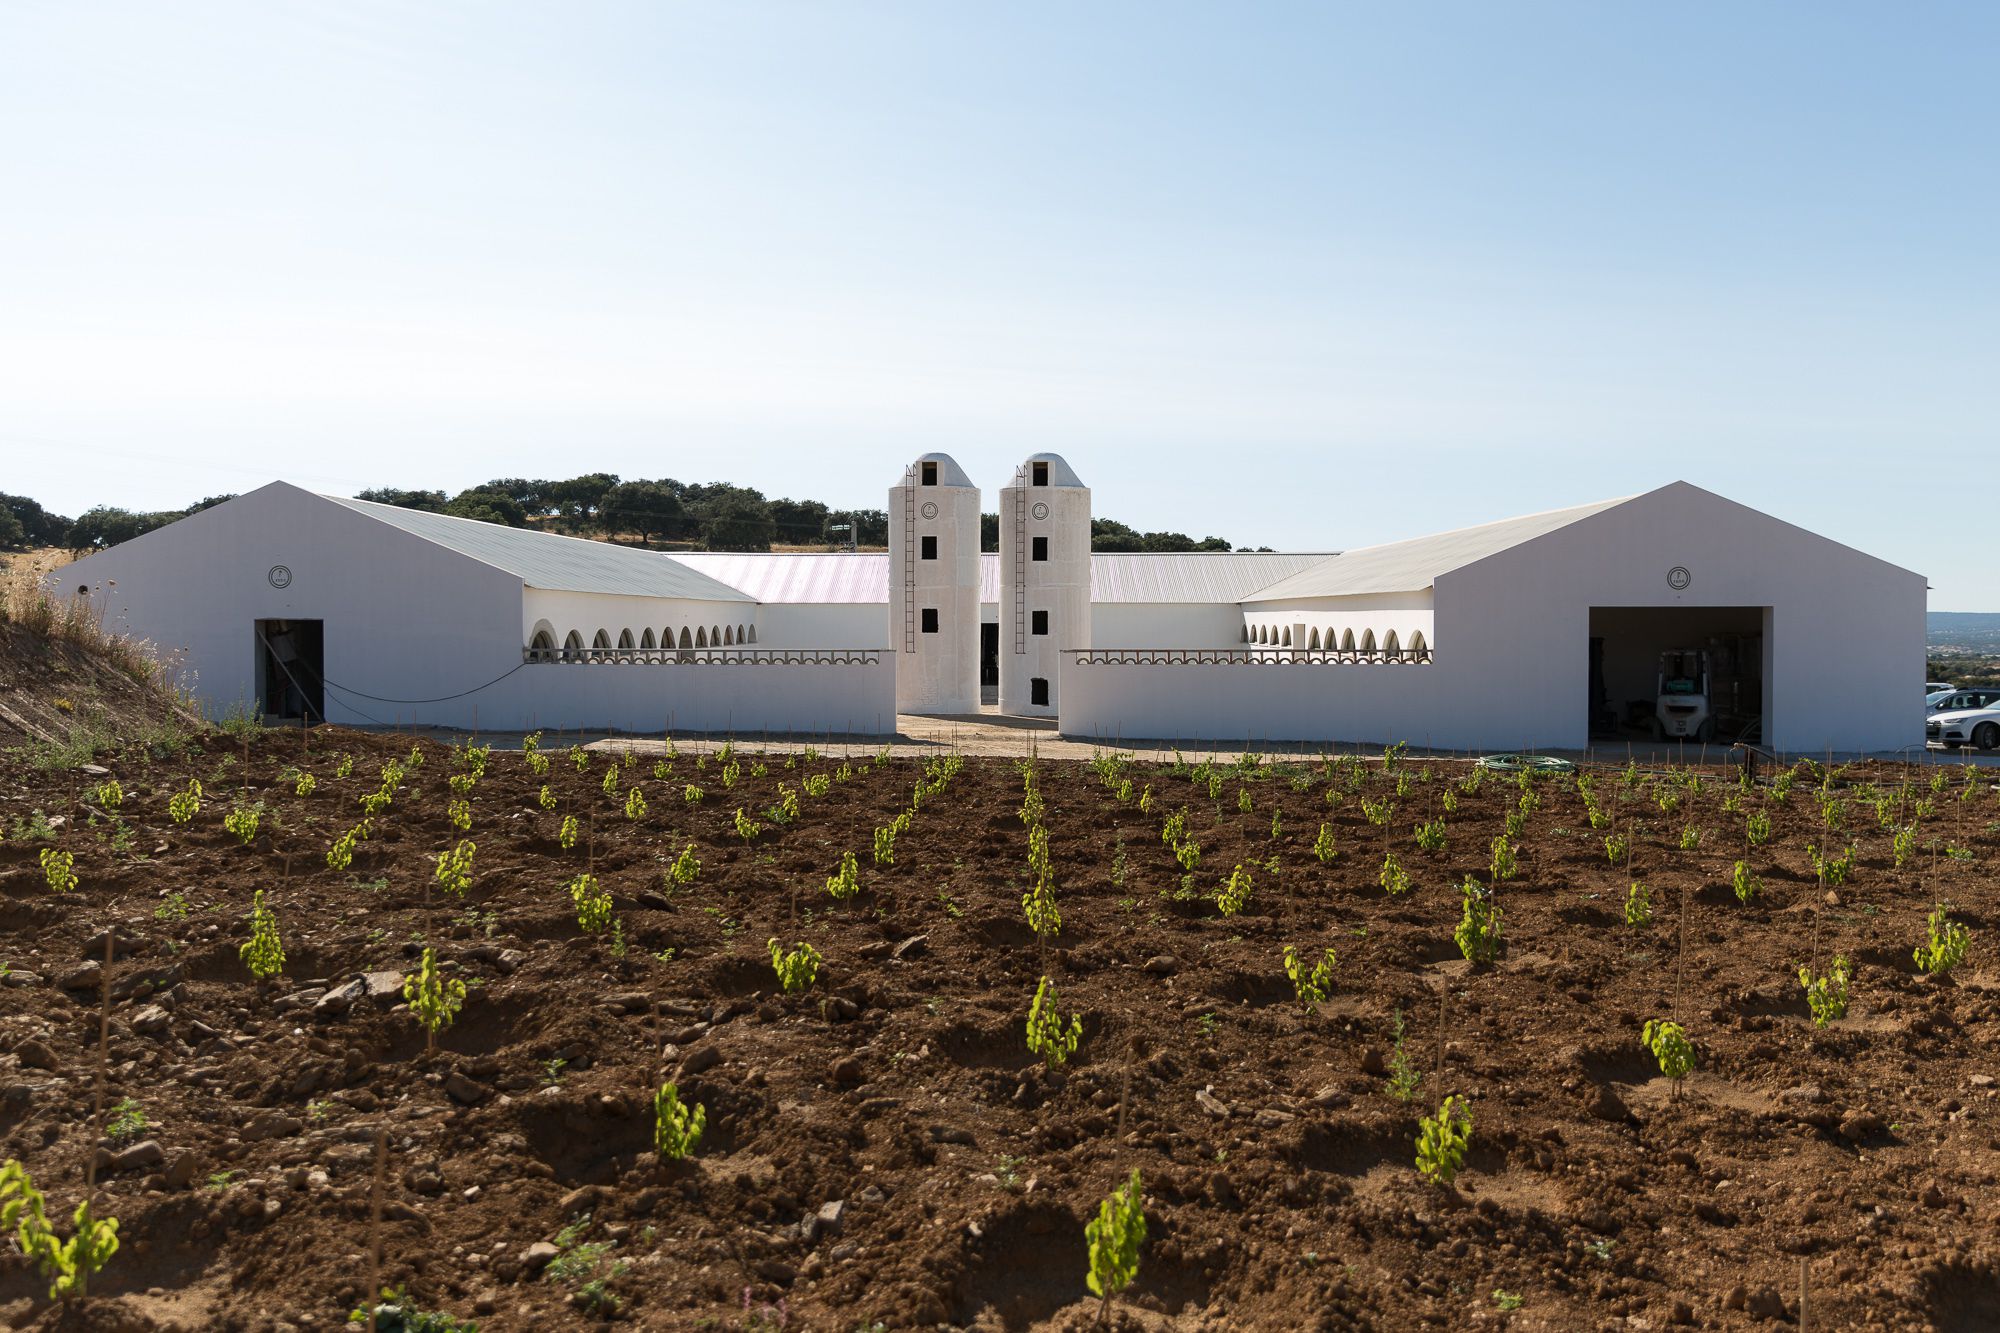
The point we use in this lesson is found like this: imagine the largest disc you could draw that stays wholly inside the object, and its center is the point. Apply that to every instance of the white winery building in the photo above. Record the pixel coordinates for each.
(1544, 631)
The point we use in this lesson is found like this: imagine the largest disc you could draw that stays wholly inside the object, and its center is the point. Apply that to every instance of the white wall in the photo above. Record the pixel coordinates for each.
(1404, 614)
(409, 622)
(1059, 585)
(587, 613)
(822, 625)
(936, 672)
(1846, 650)
(1166, 625)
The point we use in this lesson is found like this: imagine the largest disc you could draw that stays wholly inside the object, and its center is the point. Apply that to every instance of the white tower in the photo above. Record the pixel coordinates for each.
(1044, 581)
(934, 587)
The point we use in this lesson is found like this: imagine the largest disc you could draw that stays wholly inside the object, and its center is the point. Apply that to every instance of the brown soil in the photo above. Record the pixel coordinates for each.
(1860, 1158)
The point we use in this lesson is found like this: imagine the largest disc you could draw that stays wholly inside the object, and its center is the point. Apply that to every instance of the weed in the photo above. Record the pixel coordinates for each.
(128, 1121)
(1047, 1035)
(1506, 1300)
(174, 907)
(1442, 1140)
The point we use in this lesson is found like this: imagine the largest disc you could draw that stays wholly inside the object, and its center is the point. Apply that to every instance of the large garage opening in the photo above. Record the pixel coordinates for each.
(291, 669)
(1698, 673)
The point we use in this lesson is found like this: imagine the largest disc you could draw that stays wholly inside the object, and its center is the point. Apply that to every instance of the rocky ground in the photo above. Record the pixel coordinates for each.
(883, 1150)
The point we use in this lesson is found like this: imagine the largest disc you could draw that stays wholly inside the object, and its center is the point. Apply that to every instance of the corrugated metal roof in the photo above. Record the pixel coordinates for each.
(787, 577)
(544, 560)
(1410, 566)
(863, 577)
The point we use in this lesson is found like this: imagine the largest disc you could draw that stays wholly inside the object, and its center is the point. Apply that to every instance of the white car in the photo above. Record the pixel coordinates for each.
(1977, 727)
(1957, 701)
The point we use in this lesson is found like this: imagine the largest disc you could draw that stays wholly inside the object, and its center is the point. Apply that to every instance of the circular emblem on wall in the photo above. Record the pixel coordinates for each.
(280, 576)
(1678, 578)
(1040, 510)
(930, 509)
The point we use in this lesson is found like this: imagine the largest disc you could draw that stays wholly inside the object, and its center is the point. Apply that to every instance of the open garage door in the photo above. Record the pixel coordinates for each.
(1698, 672)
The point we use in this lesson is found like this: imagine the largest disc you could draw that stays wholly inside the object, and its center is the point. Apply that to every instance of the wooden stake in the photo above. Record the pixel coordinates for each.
(375, 1225)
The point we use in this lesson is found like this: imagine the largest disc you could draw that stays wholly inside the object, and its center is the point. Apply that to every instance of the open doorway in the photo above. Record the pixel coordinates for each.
(989, 655)
(291, 668)
(1698, 673)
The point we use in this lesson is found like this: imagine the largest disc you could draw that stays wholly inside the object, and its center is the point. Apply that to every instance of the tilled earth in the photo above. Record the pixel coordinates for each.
(882, 1149)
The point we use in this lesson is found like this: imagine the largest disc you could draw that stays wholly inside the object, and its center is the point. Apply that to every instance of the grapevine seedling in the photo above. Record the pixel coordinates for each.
(885, 846)
(1403, 1076)
(68, 1264)
(1394, 878)
(545, 798)
(1323, 846)
(433, 999)
(341, 855)
(305, 785)
(454, 869)
(1638, 905)
(1826, 996)
(1114, 1237)
(691, 794)
(1669, 1044)
(59, 869)
(592, 901)
(1442, 1140)
(1747, 885)
(110, 794)
(186, 804)
(797, 968)
(1617, 848)
(1478, 932)
(1757, 828)
(610, 784)
(746, 827)
(677, 1126)
(686, 866)
(1312, 987)
(344, 766)
(635, 805)
(1431, 835)
(263, 953)
(566, 835)
(848, 882)
(1945, 944)
(1047, 1035)
(1505, 865)
(1234, 894)
(458, 813)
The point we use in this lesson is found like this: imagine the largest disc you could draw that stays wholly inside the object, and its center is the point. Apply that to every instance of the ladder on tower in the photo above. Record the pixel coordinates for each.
(910, 559)
(1020, 560)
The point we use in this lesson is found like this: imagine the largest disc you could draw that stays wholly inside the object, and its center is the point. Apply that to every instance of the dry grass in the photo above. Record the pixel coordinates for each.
(26, 601)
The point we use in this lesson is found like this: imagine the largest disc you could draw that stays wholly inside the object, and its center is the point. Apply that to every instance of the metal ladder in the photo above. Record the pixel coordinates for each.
(910, 559)
(1020, 560)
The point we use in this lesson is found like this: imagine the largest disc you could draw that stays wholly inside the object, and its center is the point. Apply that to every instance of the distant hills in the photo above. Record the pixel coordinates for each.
(1964, 631)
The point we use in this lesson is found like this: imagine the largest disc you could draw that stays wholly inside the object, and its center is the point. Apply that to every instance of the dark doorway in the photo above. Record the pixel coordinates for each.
(989, 653)
(291, 668)
(1696, 673)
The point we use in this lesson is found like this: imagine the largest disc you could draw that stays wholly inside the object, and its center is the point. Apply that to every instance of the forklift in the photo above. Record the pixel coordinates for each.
(1681, 707)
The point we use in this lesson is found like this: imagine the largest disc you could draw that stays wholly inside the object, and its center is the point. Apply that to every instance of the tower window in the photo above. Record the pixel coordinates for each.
(1041, 474)
(930, 620)
(1038, 690)
(1041, 622)
(930, 548)
(1041, 548)
(930, 474)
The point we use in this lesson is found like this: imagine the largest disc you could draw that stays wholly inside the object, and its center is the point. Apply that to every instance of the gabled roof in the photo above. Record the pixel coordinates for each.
(1413, 565)
(863, 577)
(545, 560)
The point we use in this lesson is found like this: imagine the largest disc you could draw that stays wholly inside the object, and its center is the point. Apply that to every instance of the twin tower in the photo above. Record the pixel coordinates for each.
(946, 649)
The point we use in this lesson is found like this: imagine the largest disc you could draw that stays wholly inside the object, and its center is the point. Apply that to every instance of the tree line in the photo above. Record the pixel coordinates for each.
(715, 516)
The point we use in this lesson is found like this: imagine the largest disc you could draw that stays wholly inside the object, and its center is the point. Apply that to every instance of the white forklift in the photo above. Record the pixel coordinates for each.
(1681, 708)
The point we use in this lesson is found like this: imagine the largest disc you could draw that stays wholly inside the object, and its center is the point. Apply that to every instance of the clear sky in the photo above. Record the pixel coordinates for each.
(1311, 275)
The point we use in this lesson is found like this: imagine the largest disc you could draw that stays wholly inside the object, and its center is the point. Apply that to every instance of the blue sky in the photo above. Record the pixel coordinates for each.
(1310, 276)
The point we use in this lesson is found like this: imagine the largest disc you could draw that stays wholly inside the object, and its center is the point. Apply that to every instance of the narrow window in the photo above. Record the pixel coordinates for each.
(1041, 548)
(930, 620)
(1041, 474)
(930, 548)
(1041, 625)
(1038, 690)
(930, 474)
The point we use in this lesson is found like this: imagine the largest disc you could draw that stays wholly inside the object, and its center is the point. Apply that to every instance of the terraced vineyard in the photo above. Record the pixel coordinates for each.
(498, 983)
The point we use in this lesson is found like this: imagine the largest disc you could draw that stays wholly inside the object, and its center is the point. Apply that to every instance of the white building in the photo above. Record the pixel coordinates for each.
(1538, 632)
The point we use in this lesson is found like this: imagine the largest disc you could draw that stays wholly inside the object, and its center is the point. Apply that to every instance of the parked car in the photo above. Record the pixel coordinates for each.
(1956, 701)
(1977, 727)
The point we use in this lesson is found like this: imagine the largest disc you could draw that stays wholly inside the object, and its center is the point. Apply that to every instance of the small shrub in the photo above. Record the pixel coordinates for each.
(1505, 864)
(847, 882)
(1312, 987)
(885, 846)
(305, 785)
(1114, 1237)
(1394, 878)
(1323, 847)
(1431, 835)
(1669, 1044)
(545, 798)
(1617, 849)
(186, 804)
(566, 835)
(59, 869)
(592, 902)
(1638, 905)
(635, 805)
(746, 827)
(434, 1000)
(454, 869)
(1234, 894)
(1478, 932)
(1746, 884)
(1757, 828)
(1442, 1140)
(263, 953)
(685, 867)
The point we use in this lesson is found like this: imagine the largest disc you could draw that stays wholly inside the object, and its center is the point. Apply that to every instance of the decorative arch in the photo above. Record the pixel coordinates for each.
(572, 647)
(601, 643)
(729, 636)
(700, 636)
(742, 635)
(1368, 641)
(1246, 631)
(625, 644)
(1418, 645)
(1312, 645)
(686, 642)
(715, 636)
(542, 647)
(647, 643)
(1347, 640)
(1288, 638)
(1391, 644)
(753, 634)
